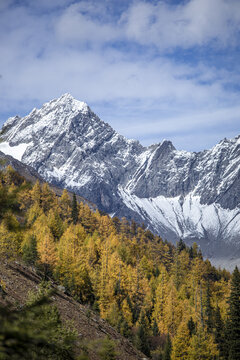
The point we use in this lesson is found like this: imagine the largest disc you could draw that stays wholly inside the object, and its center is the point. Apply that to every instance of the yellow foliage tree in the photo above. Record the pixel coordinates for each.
(180, 346)
(160, 299)
(36, 193)
(65, 205)
(48, 198)
(172, 313)
(9, 243)
(70, 250)
(202, 346)
(34, 212)
(46, 247)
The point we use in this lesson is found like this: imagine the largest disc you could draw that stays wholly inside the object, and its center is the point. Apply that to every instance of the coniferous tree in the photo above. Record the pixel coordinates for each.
(234, 317)
(219, 332)
(191, 326)
(180, 344)
(202, 346)
(142, 338)
(167, 349)
(133, 228)
(55, 224)
(9, 243)
(191, 255)
(29, 250)
(209, 310)
(106, 349)
(3, 200)
(155, 329)
(74, 209)
(35, 332)
(36, 193)
(181, 246)
(65, 205)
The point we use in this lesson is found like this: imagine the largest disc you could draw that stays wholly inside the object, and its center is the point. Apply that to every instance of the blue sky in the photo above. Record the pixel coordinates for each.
(152, 69)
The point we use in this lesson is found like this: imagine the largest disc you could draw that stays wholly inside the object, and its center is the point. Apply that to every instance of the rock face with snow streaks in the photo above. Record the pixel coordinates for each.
(195, 196)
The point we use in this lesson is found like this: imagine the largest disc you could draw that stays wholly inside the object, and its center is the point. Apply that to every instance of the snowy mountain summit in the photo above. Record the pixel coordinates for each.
(178, 194)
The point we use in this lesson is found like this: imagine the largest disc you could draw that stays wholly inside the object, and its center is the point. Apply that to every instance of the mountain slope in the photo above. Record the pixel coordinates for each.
(176, 193)
(20, 281)
(32, 176)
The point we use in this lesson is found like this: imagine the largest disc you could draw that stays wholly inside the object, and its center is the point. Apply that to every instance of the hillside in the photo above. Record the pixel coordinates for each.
(147, 289)
(20, 280)
(32, 176)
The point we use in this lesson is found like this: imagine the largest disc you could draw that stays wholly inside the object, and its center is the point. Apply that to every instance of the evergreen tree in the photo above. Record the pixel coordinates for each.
(74, 209)
(209, 310)
(181, 246)
(191, 255)
(55, 224)
(191, 326)
(105, 349)
(34, 332)
(133, 228)
(29, 250)
(155, 329)
(3, 200)
(167, 349)
(234, 317)
(142, 338)
(219, 332)
(9, 243)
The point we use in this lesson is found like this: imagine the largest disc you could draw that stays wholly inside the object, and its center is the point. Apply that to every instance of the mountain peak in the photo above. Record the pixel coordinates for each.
(68, 145)
(66, 96)
(167, 144)
(67, 100)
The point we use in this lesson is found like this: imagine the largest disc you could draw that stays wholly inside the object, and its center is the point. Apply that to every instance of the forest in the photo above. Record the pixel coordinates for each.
(167, 300)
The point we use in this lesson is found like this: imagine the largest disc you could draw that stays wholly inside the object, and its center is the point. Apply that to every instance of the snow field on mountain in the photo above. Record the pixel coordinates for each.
(15, 151)
(188, 217)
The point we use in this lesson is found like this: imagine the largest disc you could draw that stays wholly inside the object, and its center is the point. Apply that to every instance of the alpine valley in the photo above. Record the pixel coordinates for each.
(177, 194)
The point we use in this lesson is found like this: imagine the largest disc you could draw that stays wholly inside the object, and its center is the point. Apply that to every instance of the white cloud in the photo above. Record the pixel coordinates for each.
(192, 23)
(95, 76)
(76, 49)
(77, 25)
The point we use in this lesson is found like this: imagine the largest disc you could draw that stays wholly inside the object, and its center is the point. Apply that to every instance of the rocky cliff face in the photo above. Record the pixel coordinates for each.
(194, 196)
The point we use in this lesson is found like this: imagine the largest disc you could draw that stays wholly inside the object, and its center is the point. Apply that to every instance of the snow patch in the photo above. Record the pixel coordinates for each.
(84, 179)
(15, 151)
(186, 218)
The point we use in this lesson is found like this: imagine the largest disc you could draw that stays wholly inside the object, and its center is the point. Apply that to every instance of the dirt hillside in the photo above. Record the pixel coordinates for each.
(19, 280)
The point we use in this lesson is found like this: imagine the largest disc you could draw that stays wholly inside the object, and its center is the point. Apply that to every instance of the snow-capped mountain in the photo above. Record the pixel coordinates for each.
(194, 196)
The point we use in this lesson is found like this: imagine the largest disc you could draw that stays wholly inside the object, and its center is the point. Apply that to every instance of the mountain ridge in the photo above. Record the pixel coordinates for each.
(192, 195)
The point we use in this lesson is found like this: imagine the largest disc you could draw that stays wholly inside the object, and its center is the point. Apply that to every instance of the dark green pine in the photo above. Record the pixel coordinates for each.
(209, 310)
(234, 317)
(219, 333)
(142, 338)
(74, 209)
(167, 349)
(181, 246)
(191, 326)
(29, 251)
